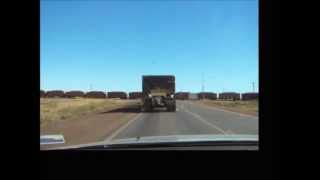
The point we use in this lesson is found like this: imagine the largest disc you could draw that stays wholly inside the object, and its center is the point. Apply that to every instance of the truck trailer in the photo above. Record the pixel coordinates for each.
(158, 91)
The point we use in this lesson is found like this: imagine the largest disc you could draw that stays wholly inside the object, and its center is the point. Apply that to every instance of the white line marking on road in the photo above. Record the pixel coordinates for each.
(105, 141)
(123, 127)
(206, 122)
(215, 108)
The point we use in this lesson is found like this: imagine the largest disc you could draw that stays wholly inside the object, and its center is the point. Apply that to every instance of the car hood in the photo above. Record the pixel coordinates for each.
(170, 139)
(186, 138)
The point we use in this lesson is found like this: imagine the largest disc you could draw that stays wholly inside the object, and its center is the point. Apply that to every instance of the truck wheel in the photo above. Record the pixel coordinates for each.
(174, 108)
(171, 108)
(147, 109)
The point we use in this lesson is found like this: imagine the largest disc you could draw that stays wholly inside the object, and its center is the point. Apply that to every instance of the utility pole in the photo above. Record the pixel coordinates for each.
(202, 82)
(202, 86)
(253, 86)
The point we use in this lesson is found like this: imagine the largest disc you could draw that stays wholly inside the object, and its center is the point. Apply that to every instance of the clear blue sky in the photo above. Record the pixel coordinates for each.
(110, 45)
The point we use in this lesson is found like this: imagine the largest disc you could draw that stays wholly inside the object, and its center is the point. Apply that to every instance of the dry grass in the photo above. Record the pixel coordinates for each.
(52, 109)
(245, 107)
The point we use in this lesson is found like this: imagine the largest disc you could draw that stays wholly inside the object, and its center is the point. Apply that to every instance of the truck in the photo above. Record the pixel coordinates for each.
(158, 91)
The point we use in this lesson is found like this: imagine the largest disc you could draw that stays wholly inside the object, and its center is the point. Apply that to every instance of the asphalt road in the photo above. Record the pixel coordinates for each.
(189, 119)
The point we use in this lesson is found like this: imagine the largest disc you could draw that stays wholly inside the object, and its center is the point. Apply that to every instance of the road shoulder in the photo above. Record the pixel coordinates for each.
(235, 110)
(90, 128)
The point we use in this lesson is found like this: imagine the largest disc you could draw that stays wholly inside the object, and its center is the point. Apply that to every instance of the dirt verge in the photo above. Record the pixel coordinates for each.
(94, 126)
(244, 107)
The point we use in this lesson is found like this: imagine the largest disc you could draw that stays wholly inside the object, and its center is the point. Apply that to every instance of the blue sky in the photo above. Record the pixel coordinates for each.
(109, 45)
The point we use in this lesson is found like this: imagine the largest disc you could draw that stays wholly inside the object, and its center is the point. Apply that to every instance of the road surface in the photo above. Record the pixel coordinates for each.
(189, 119)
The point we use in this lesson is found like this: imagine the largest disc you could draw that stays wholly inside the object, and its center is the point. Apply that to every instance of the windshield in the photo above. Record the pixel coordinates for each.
(135, 72)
